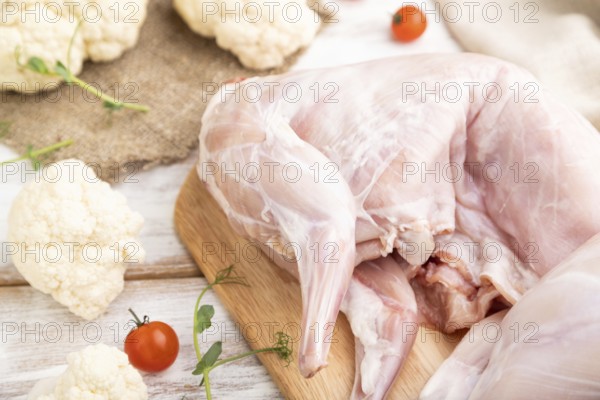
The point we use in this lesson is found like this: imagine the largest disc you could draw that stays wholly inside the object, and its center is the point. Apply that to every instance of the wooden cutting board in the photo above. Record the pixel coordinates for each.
(272, 303)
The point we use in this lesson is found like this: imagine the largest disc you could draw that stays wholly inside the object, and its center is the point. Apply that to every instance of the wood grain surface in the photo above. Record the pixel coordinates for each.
(171, 267)
(272, 302)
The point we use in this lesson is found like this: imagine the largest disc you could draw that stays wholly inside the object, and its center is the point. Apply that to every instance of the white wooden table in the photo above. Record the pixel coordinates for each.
(37, 333)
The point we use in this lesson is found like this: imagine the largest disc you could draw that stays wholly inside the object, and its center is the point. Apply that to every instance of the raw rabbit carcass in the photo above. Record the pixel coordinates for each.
(431, 160)
(545, 347)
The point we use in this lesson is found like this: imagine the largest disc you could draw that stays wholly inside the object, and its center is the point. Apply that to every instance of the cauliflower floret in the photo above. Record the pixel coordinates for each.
(45, 29)
(73, 236)
(260, 33)
(116, 30)
(98, 372)
(44, 39)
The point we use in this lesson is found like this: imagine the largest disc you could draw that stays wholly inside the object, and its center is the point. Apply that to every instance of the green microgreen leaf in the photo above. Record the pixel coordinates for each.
(112, 106)
(38, 65)
(63, 71)
(204, 318)
(227, 276)
(209, 358)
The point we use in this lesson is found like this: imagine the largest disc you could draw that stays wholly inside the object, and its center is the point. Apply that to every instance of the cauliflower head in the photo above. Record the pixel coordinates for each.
(260, 33)
(73, 236)
(48, 28)
(98, 372)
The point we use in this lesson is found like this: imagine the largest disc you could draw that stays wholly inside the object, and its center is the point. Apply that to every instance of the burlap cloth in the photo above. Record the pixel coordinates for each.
(557, 40)
(168, 67)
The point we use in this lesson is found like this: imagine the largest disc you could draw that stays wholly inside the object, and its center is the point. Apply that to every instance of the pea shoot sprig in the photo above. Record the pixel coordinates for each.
(35, 155)
(37, 65)
(203, 320)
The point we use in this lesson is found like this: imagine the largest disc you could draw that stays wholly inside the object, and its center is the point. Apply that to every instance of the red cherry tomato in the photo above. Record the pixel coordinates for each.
(151, 346)
(408, 23)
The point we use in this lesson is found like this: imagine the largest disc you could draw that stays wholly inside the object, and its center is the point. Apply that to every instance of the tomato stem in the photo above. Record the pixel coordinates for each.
(137, 321)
